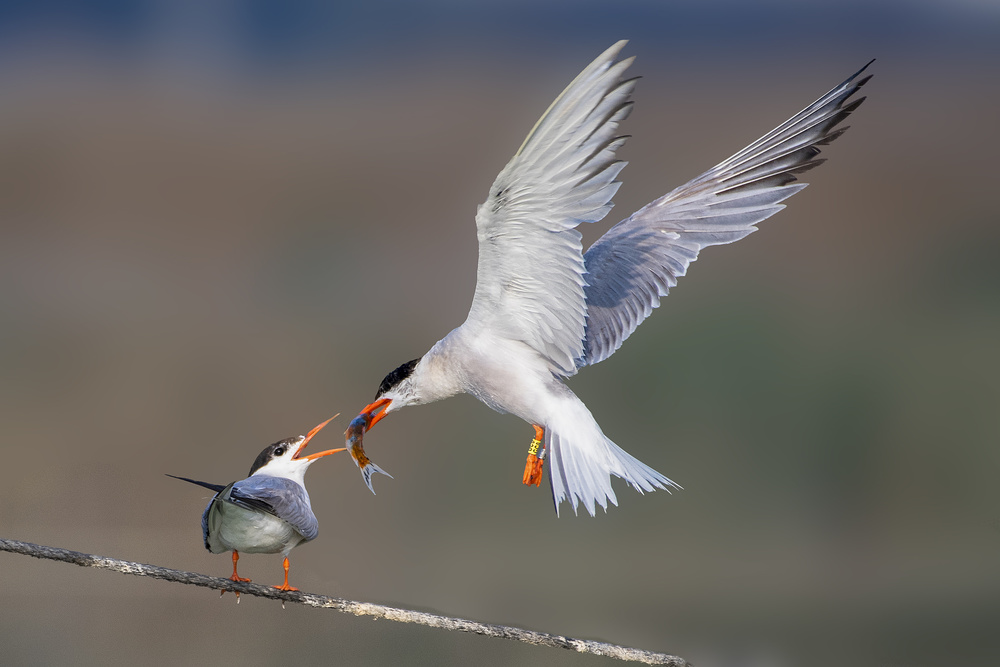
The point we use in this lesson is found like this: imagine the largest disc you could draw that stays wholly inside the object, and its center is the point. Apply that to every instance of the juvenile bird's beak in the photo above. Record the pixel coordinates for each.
(324, 453)
(374, 412)
(309, 437)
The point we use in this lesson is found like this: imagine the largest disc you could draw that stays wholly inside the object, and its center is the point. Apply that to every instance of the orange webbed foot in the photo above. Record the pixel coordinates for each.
(235, 577)
(285, 586)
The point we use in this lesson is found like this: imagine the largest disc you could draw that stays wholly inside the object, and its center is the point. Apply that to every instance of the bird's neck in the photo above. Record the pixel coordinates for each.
(439, 375)
(294, 471)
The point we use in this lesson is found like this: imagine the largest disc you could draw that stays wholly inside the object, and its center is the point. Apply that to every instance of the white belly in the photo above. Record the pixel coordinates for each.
(247, 531)
(510, 377)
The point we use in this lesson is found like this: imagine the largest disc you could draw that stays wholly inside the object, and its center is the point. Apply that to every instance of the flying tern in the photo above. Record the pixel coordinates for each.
(268, 512)
(543, 309)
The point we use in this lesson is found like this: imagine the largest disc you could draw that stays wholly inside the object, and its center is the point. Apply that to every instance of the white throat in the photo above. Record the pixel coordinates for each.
(293, 469)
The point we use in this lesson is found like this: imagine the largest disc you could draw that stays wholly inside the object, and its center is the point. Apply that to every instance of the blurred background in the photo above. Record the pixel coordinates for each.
(223, 222)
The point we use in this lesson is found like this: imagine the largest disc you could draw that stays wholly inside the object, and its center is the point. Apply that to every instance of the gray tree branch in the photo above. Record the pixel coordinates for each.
(346, 606)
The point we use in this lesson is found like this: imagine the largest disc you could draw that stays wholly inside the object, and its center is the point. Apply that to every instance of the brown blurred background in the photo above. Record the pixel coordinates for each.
(220, 223)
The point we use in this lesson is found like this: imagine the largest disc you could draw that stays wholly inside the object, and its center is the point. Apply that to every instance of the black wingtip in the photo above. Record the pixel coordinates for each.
(207, 485)
(850, 81)
(848, 108)
(858, 73)
(867, 65)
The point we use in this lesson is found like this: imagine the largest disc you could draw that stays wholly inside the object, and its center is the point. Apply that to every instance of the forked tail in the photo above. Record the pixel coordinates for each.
(582, 460)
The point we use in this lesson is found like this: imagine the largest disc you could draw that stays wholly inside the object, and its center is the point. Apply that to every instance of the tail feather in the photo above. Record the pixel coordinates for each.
(582, 460)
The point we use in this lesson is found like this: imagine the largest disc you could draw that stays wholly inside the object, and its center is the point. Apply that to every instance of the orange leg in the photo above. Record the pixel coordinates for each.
(235, 577)
(236, 559)
(536, 458)
(285, 586)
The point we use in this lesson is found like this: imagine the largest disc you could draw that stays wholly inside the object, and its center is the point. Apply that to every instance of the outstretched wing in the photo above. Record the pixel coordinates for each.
(530, 278)
(637, 262)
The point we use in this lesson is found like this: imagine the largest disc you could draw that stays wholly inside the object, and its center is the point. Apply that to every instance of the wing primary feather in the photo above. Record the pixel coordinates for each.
(530, 279)
(634, 265)
(208, 485)
(610, 54)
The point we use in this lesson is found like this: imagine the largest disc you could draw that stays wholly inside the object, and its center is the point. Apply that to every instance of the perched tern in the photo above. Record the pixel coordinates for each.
(268, 512)
(543, 309)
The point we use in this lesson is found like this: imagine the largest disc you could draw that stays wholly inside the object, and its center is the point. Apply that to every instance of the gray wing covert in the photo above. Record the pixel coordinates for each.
(281, 497)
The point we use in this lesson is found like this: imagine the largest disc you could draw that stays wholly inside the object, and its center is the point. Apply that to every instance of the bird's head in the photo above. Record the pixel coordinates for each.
(286, 458)
(396, 390)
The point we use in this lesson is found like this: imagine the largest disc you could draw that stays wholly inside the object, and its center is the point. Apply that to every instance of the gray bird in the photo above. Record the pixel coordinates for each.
(543, 309)
(268, 512)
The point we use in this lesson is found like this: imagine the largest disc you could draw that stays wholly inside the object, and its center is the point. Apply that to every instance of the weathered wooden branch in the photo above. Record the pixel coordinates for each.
(346, 606)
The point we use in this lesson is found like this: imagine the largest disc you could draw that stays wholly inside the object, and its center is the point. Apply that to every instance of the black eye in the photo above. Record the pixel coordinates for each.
(280, 451)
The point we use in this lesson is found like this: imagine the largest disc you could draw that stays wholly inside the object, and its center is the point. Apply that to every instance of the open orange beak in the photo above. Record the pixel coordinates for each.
(374, 412)
(309, 437)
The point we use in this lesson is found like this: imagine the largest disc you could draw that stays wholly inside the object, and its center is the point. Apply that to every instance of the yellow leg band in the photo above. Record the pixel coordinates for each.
(533, 447)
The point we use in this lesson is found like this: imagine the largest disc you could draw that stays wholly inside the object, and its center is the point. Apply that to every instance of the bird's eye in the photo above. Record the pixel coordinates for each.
(280, 451)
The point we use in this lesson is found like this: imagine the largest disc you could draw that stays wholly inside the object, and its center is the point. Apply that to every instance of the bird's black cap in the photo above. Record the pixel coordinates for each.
(395, 377)
(271, 451)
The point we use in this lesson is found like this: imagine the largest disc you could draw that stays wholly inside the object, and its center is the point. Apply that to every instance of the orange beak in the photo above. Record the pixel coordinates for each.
(309, 437)
(374, 412)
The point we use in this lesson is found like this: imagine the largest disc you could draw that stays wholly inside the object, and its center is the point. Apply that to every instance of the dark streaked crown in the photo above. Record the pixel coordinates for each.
(397, 376)
(272, 452)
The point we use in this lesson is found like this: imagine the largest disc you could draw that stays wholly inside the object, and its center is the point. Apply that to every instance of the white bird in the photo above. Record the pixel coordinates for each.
(543, 309)
(269, 512)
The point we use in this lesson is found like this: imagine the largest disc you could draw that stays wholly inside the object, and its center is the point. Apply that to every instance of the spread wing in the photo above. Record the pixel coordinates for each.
(278, 496)
(637, 262)
(530, 283)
